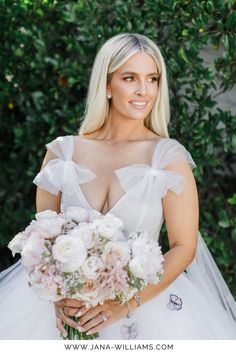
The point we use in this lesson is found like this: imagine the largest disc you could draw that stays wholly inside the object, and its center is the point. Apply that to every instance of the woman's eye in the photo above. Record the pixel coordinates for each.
(131, 77)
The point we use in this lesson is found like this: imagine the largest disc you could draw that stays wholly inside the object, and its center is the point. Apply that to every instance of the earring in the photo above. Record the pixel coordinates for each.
(108, 95)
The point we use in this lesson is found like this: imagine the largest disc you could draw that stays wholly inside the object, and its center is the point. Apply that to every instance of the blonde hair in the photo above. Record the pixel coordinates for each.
(111, 56)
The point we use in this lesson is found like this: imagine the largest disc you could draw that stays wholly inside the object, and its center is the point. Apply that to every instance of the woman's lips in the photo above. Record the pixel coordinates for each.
(138, 106)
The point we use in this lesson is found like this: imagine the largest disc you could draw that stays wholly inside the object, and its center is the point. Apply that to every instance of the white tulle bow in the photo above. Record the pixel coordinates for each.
(63, 175)
(143, 182)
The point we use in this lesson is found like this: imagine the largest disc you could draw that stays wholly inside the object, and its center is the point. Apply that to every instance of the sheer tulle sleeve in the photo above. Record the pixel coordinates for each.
(172, 151)
(147, 183)
(61, 173)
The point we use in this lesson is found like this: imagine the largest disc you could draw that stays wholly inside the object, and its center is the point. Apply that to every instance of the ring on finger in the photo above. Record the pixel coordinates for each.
(61, 310)
(103, 316)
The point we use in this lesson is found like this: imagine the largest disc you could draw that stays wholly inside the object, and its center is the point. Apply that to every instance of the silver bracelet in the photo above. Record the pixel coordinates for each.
(129, 314)
(137, 299)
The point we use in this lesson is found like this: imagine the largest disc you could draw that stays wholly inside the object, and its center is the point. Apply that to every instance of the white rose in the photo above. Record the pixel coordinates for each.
(91, 267)
(70, 251)
(45, 214)
(114, 220)
(84, 231)
(77, 214)
(94, 214)
(106, 228)
(116, 252)
(139, 267)
(16, 244)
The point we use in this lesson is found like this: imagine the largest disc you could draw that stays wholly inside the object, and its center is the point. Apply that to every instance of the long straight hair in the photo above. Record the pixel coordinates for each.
(111, 56)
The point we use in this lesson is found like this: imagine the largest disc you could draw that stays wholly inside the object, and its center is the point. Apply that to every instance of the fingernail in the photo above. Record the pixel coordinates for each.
(89, 332)
(81, 329)
(65, 334)
(78, 314)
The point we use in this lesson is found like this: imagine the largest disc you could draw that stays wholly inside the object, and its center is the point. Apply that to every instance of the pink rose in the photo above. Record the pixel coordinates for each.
(116, 253)
(50, 227)
(45, 214)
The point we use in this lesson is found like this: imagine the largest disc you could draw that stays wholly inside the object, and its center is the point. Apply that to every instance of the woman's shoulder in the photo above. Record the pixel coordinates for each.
(61, 146)
(173, 150)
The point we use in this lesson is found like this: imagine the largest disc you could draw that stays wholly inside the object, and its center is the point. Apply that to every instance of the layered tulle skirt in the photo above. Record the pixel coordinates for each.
(179, 312)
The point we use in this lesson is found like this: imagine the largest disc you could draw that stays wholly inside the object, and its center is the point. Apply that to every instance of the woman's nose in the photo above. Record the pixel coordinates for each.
(141, 89)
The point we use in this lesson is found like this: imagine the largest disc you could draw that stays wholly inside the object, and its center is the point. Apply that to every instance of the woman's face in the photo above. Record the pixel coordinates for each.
(136, 81)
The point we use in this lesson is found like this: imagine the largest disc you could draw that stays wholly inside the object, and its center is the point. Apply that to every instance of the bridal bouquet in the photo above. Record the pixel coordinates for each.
(85, 255)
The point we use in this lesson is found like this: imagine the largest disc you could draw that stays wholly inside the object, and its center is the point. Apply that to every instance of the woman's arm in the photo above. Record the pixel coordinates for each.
(182, 217)
(44, 199)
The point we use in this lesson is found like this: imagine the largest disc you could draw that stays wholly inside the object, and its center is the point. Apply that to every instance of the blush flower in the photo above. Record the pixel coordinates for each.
(117, 253)
(45, 214)
(50, 227)
(32, 252)
(91, 267)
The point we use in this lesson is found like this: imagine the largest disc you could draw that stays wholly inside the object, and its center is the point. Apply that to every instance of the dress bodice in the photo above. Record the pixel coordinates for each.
(143, 185)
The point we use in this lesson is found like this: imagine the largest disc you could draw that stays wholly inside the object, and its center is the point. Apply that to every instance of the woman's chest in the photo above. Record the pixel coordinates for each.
(103, 192)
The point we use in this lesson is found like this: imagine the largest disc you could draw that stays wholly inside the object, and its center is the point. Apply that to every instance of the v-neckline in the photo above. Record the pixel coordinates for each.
(157, 143)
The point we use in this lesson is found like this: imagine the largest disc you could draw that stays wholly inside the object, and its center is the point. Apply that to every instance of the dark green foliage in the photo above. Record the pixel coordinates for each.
(46, 56)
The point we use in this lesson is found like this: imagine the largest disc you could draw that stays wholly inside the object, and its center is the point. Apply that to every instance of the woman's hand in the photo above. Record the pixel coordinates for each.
(66, 307)
(90, 320)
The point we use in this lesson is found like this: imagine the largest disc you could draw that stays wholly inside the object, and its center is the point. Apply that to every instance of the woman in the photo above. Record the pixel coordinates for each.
(123, 162)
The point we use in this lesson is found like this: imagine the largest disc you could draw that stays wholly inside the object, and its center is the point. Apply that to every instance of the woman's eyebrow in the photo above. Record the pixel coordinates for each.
(133, 73)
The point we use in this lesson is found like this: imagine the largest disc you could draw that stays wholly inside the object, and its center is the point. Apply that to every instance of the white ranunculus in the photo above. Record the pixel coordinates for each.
(45, 214)
(107, 229)
(139, 267)
(16, 244)
(77, 214)
(70, 251)
(91, 267)
(116, 253)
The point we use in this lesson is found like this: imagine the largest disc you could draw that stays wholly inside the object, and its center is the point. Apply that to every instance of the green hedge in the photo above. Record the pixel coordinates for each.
(47, 52)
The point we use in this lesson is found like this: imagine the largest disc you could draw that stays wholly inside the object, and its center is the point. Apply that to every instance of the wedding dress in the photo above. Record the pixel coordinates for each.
(197, 305)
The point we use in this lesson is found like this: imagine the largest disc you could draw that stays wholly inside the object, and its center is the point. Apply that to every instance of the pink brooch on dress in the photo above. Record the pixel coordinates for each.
(175, 302)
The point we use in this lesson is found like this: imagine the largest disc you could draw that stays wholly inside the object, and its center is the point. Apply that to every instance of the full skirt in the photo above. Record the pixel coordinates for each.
(179, 312)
